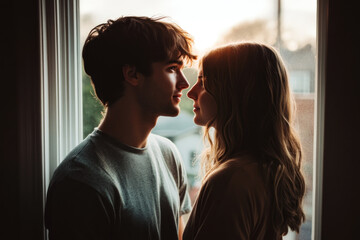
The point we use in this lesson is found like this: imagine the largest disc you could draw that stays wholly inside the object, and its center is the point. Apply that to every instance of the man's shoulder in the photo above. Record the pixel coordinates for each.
(81, 165)
(163, 141)
(165, 146)
(78, 156)
(169, 153)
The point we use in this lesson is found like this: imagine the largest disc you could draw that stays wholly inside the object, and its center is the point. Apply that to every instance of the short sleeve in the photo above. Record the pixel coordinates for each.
(76, 211)
(185, 201)
(183, 185)
(175, 164)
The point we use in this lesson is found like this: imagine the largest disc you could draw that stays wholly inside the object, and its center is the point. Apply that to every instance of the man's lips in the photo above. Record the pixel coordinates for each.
(177, 97)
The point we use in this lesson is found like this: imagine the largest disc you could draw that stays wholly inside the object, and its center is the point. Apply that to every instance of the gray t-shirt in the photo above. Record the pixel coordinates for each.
(107, 190)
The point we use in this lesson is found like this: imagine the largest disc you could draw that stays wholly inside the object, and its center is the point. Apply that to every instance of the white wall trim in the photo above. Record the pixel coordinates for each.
(44, 104)
(322, 30)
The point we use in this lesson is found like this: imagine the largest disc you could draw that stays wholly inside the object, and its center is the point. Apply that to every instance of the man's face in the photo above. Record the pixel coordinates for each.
(160, 93)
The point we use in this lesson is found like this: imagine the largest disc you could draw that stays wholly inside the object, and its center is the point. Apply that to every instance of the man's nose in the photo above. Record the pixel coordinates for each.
(182, 82)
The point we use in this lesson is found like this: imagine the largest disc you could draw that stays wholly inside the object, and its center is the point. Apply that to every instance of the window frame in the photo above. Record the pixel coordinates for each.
(61, 85)
(61, 91)
(321, 45)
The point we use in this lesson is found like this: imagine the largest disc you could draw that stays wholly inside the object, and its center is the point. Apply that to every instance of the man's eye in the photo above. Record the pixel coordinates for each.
(173, 68)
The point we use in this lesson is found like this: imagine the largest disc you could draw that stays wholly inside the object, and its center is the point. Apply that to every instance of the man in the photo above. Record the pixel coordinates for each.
(122, 182)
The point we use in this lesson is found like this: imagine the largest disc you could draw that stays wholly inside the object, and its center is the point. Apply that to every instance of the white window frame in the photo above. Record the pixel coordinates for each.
(61, 85)
(322, 37)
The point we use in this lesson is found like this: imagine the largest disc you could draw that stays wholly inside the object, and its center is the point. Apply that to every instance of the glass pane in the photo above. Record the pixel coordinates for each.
(292, 30)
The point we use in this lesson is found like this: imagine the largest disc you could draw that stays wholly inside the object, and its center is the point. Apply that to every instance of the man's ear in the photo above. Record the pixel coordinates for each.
(131, 75)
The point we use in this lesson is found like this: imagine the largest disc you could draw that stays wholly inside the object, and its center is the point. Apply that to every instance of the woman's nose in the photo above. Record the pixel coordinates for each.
(191, 94)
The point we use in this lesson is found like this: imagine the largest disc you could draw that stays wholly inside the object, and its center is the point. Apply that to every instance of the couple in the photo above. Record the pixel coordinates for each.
(122, 182)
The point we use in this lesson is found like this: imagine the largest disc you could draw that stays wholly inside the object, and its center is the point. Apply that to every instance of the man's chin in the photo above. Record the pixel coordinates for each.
(172, 112)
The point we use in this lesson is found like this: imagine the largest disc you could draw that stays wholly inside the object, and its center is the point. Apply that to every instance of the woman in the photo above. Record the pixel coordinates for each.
(252, 186)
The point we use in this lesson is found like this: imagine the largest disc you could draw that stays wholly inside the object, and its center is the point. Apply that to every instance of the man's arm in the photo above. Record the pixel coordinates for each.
(182, 223)
(181, 227)
(76, 211)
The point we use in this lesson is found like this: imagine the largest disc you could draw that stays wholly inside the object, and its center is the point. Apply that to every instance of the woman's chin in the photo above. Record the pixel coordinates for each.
(199, 121)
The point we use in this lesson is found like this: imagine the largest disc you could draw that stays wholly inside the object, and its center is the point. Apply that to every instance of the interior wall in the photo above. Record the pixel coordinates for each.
(21, 175)
(341, 166)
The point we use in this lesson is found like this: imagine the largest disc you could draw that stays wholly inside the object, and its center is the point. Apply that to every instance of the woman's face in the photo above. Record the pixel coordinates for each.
(204, 104)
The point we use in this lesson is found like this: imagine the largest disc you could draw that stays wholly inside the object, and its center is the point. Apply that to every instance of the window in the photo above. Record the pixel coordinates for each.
(300, 81)
(257, 20)
(51, 139)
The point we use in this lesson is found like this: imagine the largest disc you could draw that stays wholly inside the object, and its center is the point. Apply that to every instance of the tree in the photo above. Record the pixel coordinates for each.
(92, 108)
(258, 30)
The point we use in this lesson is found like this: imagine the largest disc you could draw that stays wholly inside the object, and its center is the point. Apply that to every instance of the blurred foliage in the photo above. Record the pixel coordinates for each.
(92, 108)
(258, 30)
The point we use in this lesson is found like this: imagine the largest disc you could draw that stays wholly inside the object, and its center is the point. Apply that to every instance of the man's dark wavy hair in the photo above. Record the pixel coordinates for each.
(135, 41)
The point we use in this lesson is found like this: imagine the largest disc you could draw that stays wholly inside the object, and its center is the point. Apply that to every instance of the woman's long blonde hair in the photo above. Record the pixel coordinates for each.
(250, 85)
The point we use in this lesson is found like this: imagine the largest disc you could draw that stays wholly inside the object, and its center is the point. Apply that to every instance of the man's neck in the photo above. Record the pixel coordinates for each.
(128, 124)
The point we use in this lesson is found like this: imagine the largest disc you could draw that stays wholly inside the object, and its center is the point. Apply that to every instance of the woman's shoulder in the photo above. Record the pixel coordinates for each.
(238, 173)
(239, 166)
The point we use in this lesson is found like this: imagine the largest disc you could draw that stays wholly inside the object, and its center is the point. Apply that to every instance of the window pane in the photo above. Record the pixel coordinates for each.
(292, 31)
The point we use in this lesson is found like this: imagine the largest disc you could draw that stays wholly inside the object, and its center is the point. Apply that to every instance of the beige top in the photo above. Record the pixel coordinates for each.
(233, 203)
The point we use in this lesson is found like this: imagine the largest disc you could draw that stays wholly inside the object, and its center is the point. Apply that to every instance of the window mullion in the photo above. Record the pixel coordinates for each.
(61, 82)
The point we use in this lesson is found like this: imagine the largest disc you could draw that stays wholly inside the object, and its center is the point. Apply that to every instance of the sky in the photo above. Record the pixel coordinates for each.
(208, 20)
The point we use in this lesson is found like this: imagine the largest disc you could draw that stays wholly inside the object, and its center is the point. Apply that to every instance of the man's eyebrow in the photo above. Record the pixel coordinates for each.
(179, 62)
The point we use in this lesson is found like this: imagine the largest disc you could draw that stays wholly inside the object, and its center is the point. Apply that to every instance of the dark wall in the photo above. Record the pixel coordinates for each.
(341, 182)
(9, 149)
(21, 182)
